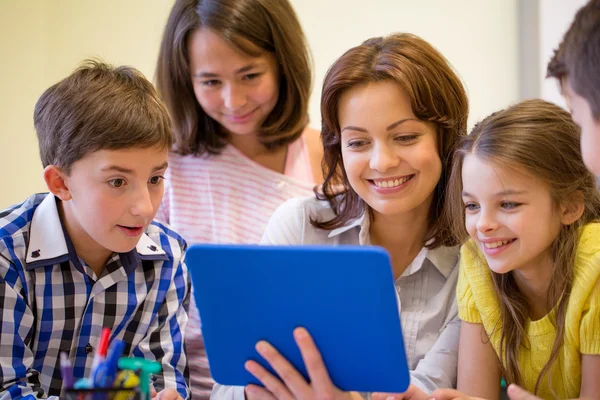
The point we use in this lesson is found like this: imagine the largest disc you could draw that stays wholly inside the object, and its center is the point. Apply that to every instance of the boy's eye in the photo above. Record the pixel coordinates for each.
(156, 179)
(116, 183)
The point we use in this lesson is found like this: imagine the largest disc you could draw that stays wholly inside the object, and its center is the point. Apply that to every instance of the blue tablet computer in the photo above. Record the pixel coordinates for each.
(344, 296)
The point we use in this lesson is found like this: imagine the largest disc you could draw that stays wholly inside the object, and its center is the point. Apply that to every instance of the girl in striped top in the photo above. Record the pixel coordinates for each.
(236, 79)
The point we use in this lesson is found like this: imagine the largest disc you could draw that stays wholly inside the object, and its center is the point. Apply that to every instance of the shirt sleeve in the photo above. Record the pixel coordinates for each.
(221, 392)
(164, 340)
(287, 224)
(18, 378)
(590, 323)
(467, 309)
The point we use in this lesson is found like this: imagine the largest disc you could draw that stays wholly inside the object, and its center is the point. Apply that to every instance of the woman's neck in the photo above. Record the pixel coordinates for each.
(401, 235)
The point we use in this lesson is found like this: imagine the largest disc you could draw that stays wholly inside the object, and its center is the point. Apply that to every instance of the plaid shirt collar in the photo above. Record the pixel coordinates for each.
(49, 242)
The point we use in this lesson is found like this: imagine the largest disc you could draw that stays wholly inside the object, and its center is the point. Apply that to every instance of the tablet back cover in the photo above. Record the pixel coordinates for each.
(344, 296)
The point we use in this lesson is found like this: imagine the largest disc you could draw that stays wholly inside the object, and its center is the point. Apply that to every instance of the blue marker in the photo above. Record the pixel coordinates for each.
(106, 372)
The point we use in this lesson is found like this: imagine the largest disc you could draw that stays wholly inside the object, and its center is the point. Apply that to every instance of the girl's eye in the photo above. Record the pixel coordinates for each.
(155, 180)
(252, 76)
(510, 205)
(212, 82)
(116, 183)
(471, 207)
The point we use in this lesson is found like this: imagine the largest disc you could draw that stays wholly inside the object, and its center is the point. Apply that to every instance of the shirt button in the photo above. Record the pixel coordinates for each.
(88, 348)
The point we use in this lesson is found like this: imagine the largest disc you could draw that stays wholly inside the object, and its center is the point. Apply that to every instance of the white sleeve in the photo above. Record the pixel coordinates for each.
(220, 392)
(287, 225)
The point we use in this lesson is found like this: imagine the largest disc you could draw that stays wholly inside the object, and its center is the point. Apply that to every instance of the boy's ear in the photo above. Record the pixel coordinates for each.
(573, 209)
(56, 181)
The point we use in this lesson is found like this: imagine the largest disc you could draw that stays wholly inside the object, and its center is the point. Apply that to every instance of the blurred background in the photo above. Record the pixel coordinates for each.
(499, 47)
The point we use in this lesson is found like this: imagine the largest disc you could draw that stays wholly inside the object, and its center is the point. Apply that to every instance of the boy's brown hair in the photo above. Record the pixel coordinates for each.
(99, 107)
(578, 56)
(254, 27)
(437, 96)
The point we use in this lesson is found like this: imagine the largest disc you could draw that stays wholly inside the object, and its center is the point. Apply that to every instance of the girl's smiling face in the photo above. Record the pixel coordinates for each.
(510, 215)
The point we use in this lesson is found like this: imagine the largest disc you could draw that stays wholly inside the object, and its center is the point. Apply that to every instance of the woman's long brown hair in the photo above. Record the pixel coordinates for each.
(437, 95)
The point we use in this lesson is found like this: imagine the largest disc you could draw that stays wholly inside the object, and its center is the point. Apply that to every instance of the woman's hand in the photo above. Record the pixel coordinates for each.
(292, 384)
(412, 393)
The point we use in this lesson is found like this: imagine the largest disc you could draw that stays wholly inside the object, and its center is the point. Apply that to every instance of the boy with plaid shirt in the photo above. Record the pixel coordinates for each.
(88, 255)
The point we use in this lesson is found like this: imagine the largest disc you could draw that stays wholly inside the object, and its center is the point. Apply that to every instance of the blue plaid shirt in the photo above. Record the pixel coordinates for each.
(51, 301)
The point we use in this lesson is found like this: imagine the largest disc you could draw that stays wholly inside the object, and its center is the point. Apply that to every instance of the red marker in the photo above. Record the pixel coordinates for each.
(100, 351)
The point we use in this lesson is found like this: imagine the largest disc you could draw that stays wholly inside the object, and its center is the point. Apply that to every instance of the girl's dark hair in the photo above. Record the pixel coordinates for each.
(267, 25)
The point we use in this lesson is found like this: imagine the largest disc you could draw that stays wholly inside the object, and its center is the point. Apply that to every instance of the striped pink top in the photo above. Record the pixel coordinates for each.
(226, 198)
(229, 198)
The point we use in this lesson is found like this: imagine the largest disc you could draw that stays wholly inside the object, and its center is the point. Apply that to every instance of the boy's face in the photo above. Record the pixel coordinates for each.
(581, 113)
(111, 197)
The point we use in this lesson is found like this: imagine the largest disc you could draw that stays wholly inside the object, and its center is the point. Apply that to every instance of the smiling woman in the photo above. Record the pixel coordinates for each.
(393, 111)
(390, 156)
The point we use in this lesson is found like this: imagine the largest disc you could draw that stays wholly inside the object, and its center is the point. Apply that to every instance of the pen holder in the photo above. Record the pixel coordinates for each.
(102, 394)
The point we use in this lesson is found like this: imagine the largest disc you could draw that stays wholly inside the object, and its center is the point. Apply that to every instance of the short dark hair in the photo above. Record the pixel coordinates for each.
(269, 26)
(99, 107)
(437, 96)
(578, 56)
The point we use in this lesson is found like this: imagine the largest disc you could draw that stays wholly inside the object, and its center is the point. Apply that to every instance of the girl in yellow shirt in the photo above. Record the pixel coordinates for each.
(528, 288)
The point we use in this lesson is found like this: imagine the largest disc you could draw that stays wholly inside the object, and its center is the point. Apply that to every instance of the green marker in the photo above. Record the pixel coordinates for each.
(146, 369)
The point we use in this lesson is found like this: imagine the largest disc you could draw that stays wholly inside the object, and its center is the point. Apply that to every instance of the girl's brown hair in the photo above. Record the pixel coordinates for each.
(540, 138)
(437, 96)
(248, 25)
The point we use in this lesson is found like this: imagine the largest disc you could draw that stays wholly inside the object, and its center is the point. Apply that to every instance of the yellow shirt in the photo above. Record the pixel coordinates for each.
(479, 303)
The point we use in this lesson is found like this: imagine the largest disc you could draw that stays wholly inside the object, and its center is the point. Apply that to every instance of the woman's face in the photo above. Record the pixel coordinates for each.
(235, 89)
(390, 157)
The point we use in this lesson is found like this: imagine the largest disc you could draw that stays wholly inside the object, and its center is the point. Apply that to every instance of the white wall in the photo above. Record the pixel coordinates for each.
(44, 40)
(23, 77)
(555, 17)
(478, 37)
